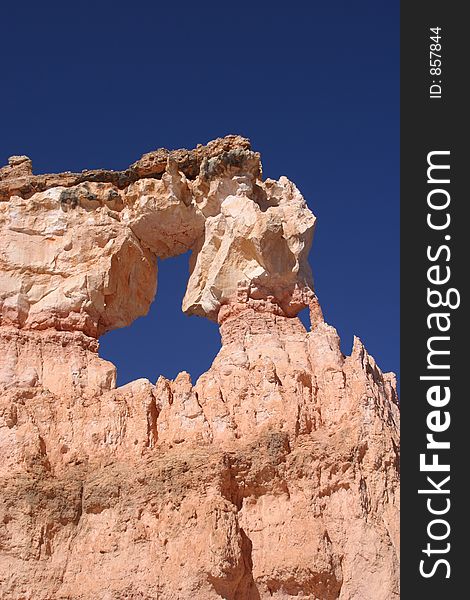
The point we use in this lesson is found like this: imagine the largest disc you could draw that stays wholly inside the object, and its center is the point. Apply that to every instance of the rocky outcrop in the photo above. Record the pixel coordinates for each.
(275, 475)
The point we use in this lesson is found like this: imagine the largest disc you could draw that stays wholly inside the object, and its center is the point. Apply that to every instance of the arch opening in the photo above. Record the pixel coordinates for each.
(165, 341)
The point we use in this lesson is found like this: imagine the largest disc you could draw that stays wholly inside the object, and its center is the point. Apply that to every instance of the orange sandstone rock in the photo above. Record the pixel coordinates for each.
(275, 475)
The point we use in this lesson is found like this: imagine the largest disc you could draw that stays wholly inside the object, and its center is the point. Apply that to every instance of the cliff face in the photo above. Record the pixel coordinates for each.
(274, 476)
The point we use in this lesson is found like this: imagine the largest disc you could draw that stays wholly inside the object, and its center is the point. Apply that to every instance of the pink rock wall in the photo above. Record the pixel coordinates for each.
(275, 475)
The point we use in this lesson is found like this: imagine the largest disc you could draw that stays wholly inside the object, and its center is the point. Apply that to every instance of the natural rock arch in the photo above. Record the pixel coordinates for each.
(81, 250)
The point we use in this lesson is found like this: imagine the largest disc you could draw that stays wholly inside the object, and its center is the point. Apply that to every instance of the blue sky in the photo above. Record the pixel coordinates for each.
(314, 85)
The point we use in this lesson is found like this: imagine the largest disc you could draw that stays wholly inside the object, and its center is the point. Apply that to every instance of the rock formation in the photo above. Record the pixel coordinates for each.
(275, 475)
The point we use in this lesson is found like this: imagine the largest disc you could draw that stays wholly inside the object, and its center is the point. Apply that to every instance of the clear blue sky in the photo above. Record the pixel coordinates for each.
(314, 85)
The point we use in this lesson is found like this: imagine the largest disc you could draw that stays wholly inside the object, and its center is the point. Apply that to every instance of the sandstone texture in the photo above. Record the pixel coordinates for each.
(275, 475)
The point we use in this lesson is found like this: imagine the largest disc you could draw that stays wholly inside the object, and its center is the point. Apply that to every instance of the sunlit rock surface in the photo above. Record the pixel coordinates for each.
(275, 475)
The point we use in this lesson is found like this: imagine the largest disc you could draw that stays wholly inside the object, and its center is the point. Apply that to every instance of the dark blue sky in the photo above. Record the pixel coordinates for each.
(314, 85)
